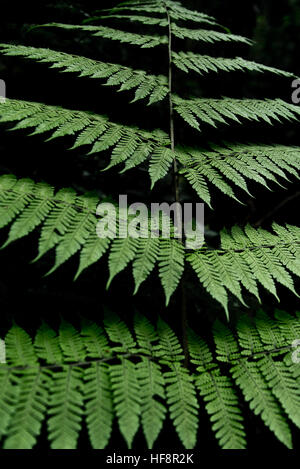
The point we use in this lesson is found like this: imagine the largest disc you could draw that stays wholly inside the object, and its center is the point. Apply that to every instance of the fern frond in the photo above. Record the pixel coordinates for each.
(145, 7)
(249, 337)
(127, 398)
(44, 118)
(8, 398)
(93, 249)
(289, 329)
(213, 111)
(138, 381)
(47, 345)
(176, 11)
(248, 377)
(160, 163)
(77, 232)
(19, 348)
(151, 380)
(179, 12)
(222, 406)
(227, 347)
(153, 412)
(243, 260)
(180, 389)
(128, 142)
(118, 332)
(247, 257)
(171, 265)
(144, 262)
(94, 339)
(65, 408)
(26, 421)
(270, 335)
(284, 386)
(99, 404)
(183, 405)
(171, 350)
(206, 35)
(122, 252)
(202, 64)
(237, 162)
(154, 87)
(209, 276)
(217, 391)
(142, 40)
(71, 343)
(149, 20)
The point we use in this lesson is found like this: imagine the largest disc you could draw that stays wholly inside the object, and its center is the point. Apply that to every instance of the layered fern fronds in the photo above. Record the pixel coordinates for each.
(138, 377)
(133, 147)
(247, 258)
(223, 167)
(94, 373)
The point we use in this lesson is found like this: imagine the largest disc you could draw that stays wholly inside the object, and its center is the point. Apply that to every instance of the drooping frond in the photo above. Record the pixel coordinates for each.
(219, 395)
(146, 40)
(135, 386)
(284, 386)
(247, 257)
(215, 111)
(151, 379)
(127, 143)
(149, 20)
(146, 85)
(99, 404)
(222, 167)
(171, 265)
(202, 64)
(145, 260)
(237, 164)
(142, 40)
(180, 389)
(207, 35)
(261, 400)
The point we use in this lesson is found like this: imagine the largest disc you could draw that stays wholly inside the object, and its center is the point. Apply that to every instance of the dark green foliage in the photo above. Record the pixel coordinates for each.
(99, 373)
(139, 375)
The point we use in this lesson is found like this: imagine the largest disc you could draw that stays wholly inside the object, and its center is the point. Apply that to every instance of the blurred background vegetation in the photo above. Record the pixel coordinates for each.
(24, 291)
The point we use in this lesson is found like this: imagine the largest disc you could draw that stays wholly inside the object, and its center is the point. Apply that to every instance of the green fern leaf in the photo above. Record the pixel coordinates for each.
(142, 40)
(222, 406)
(144, 262)
(25, 424)
(283, 385)
(47, 345)
(171, 265)
(249, 378)
(99, 406)
(65, 408)
(160, 162)
(126, 396)
(183, 405)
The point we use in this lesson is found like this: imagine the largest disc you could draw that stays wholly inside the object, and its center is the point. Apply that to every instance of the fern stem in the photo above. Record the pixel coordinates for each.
(171, 110)
(176, 189)
(184, 322)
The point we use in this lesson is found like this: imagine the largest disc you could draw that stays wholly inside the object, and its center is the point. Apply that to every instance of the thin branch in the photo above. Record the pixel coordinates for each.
(136, 355)
(176, 189)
